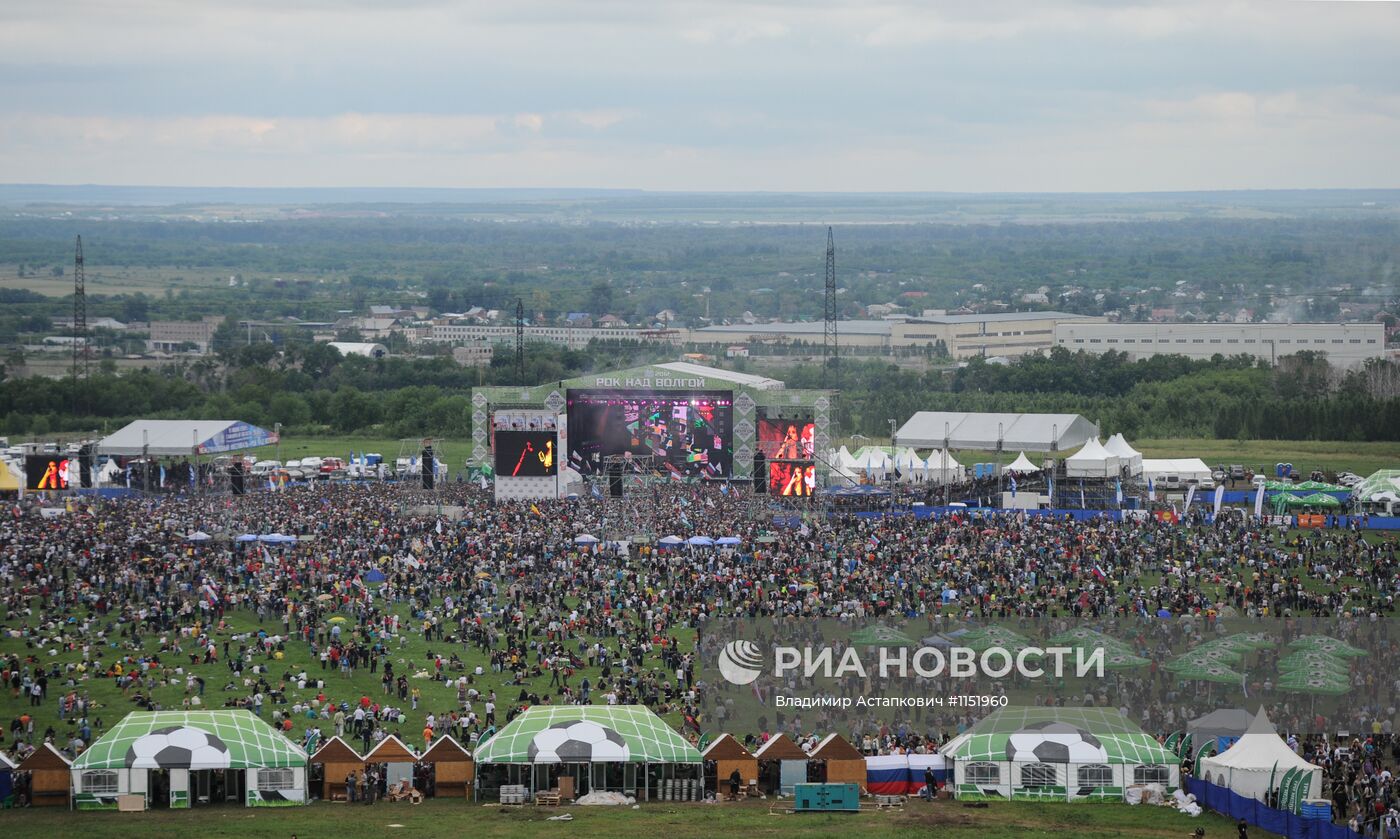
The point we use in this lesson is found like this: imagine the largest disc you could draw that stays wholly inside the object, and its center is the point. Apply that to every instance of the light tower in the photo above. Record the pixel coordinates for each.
(830, 346)
(80, 330)
(520, 340)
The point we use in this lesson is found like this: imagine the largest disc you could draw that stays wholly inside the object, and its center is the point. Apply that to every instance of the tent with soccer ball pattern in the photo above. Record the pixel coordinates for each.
(249, 755)
(617, 748)
(1059, 754)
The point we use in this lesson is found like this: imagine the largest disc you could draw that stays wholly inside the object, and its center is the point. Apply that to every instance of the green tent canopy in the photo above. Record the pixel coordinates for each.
(587, 734)
(215, 739)
(1122, 740)
(1321, 499)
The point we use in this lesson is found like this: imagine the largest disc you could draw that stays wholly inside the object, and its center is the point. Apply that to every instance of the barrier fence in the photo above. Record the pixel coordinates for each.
(1262, 816)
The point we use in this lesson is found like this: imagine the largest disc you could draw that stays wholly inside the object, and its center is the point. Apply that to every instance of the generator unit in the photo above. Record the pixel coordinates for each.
(826, 798)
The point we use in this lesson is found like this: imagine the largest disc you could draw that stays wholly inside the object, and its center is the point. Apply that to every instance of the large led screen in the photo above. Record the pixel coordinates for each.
(787, 439)
(792, 478)
(526, 454)
(687, 434)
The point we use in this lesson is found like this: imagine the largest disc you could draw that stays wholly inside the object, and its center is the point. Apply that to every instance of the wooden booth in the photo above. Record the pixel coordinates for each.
(838, 762)
(722, 757)
(452, 768)
(782, 765)
(398, 760)
(337, 760)
(50, 776)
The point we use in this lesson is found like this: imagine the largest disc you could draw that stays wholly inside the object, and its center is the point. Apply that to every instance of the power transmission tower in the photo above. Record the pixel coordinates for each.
(80, 330)
(520, 340)
(831, 350)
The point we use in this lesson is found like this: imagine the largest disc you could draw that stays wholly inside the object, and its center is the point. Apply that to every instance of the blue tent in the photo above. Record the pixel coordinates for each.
(246, 537)
(374, 576)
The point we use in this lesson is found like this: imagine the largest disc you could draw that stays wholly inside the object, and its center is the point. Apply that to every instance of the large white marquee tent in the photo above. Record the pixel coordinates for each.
(983, 432)
(184, 438)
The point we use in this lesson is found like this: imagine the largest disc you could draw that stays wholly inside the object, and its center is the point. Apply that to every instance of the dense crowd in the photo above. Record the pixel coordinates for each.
(514, 611)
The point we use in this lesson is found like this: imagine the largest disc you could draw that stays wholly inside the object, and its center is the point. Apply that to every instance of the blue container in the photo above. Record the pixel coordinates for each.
(826, 798)
(1316, 809)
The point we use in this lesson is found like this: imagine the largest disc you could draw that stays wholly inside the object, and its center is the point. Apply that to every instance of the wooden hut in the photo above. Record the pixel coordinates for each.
(727, 754)
(398, 760)
(841, 763)
(50, 776)
(337, 759)
(782, 765)
(453, 769)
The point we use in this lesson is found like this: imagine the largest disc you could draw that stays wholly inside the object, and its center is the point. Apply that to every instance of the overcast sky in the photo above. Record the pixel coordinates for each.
(710, 95)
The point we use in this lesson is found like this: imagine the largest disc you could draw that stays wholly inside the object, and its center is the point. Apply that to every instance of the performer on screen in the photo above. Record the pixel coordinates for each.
(794, 484)
(787, 450)
(50, 478)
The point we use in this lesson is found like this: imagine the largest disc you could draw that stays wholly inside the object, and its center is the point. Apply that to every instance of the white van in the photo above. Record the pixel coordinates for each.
(311, 464)
(264, 467)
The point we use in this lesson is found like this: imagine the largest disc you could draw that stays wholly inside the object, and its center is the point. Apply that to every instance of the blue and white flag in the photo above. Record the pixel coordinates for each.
(1118, 491)
(1013, 486)
(162, 475)
(597, 490)
(1151, 493)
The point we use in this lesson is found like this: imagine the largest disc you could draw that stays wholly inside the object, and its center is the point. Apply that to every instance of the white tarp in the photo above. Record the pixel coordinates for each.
(983, 432)
(1092, 461)
(1117, 445)
(1260, 754)
(184, 438)
(1187, 468)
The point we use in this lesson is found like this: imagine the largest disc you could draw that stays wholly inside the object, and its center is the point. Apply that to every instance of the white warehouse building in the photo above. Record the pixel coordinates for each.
(1346, 344)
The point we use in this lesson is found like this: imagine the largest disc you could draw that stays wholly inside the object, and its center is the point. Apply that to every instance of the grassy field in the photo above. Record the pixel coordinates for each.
(410, 657)
(694, 821)
(1305, 455)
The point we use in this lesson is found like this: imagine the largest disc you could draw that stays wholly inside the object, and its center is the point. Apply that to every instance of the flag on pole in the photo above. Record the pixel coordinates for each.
(1190, 495)
(1259, 501)
(1013, 486)
(1151, 493)
(1118, 491)
(1219, 498)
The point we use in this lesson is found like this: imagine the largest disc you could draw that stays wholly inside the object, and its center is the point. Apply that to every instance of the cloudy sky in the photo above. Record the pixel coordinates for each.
(707, 95)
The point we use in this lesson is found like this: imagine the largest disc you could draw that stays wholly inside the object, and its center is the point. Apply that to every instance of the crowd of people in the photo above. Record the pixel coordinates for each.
(397, 613)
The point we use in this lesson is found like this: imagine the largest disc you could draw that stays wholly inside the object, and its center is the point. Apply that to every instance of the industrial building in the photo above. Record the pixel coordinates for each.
(572, 337)
(1346, 344)
(962, 336)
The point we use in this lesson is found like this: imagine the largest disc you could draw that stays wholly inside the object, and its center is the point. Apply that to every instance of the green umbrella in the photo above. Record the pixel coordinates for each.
(994, 636)
(880, 636)
(1309, 660)
(1314, 683)
(1327, 644)
(1321, 499)
(1083, 636)
(1207, 671)
(1114, 660)
(1250, 640)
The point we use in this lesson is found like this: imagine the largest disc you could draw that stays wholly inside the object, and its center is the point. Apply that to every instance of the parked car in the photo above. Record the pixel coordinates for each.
(1219, 476)
(265, 467)
(1260, 480)
(1236, 472)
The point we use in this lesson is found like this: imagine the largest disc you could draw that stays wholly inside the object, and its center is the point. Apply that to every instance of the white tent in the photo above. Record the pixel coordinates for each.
(1092, 461)
(872, 462)
(845, 460)
(910, 467)
(1256, 760)
(1022, 465)
(1186, 468)
(1128, 456)
(942, 468)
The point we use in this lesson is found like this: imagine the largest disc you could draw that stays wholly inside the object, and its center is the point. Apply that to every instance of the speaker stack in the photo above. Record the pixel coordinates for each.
(429, 467)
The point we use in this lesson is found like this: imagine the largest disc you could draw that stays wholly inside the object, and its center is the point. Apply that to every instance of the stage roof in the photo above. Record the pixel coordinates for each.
(674, 375)
(1018, 432)
(185, 438)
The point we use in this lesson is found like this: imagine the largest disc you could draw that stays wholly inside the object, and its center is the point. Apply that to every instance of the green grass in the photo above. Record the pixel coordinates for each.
(408, 659)
(1305, 455)
(756, 820)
